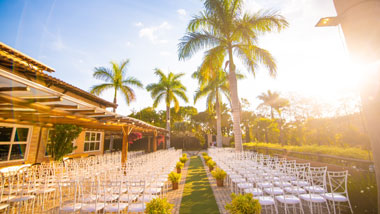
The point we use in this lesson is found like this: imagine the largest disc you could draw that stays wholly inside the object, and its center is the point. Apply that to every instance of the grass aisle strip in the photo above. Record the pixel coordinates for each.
(197, 195)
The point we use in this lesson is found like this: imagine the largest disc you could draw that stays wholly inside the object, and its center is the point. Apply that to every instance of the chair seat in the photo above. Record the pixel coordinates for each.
(22, 198)
(155, 190)
(47, 190)
(295, 190)
(138, 207)
(88, 198)
(147, 198)
(115, 207)
(264, 184)
(254, 191)
(274, 191)
(71, 207)
(288, 199)
(315, 189)
(128, 197)
(6, 198)
(315, 198)
(245, 185)
(3, 206)
(335, 197)
(282, 184)
(108, 197)
(265, 200)
(238, 180)
(91, 207)
(136, 190)
(300, 183)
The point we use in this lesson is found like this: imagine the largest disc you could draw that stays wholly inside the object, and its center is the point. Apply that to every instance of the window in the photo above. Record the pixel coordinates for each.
(92, 141)
(13, 142)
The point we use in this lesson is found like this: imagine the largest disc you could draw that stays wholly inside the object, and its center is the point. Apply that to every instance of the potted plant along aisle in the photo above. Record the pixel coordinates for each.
(243, 204)
(183, 159)
(174, 178)
(219, 175)
(179, 166)
(206, 158)
(158, 205)
(211, 164)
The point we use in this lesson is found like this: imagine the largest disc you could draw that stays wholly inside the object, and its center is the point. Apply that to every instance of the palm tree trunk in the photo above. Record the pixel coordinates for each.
(114, 101)
(168, 125)
(218, 121)
(235, 103)
(271, 112)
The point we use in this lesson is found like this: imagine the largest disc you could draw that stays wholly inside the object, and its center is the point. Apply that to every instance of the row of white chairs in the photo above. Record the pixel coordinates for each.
(284, 185)
(94, 184)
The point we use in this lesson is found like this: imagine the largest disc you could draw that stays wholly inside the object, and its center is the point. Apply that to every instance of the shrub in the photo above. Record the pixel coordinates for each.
(184, 155)
(179, 165)
(158, 206)
(174, 177)
(207, 158)
(183, 159)
(61, 140)
(243, 204)
(204, 154)
(210, 163)
(349, 152)
(218, 174)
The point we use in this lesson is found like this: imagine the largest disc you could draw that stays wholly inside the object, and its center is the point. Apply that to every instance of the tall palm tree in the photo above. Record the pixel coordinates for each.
(226, 29)
(115, 78)
(274, 101)
(213, 89)
(168, 88)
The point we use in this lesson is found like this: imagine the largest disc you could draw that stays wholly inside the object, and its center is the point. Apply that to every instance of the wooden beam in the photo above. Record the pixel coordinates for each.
(94, 113)
(63, 106)
(149, 137)
(17, 88)
(42, 99)
(81, 110)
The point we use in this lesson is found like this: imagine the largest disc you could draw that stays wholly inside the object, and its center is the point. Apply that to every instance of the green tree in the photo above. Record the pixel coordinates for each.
(168, 88)
(150, 115)
(273, 101)
(115, 78)
(61, 138)
(226, 29)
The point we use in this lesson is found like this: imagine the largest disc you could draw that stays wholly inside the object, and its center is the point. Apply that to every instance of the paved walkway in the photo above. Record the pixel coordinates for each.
(222, 194)
(175, 196)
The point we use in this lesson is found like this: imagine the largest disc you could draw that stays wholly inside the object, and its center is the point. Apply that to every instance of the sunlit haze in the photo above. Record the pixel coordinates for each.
(75, 36)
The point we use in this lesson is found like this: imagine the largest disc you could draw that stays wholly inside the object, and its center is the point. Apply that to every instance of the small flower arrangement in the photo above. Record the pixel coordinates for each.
(219, 174)
(204, 154)
(158, 206)
(206, 158)
(179, 166)
(174, 178)
(211, 164)
(183, 159)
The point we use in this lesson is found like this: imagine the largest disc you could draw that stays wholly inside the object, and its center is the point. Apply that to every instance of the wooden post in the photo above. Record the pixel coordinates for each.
(124, 150)
(149, 144)
(155, 141)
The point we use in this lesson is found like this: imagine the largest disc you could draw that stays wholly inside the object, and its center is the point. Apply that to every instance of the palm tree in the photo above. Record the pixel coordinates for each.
(226, 29)
(213, 89)
(117, 80)
(274, 101)
(168, 88)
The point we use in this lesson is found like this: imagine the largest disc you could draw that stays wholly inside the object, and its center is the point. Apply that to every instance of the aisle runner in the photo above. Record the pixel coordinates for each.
(197, 195)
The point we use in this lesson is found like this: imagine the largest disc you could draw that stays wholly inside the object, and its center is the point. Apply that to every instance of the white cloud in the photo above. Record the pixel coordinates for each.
(181, 12)
(138, 24)
(152, 33)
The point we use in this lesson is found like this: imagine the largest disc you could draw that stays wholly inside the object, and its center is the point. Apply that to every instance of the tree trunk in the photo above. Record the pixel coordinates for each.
(361, 31)
(235, 103)
(168, 125)
(271, 113)
(114, 101)
(218, 121)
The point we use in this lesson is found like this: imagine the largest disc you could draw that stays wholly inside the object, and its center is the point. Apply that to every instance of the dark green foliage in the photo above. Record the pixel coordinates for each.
(62, 137)
(158, 206)
(243, 204)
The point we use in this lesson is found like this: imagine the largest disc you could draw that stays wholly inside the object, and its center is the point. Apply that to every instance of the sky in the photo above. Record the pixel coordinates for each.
(74, 36)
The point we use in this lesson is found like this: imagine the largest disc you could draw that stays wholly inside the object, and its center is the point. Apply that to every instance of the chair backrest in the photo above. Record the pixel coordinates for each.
(317, 177)
(69, 191)
(338, 181)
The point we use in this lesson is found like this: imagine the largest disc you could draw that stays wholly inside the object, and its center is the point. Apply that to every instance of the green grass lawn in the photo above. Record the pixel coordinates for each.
(197, 195)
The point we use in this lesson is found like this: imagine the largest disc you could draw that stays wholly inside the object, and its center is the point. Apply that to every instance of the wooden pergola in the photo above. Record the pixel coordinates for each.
(30, 96)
